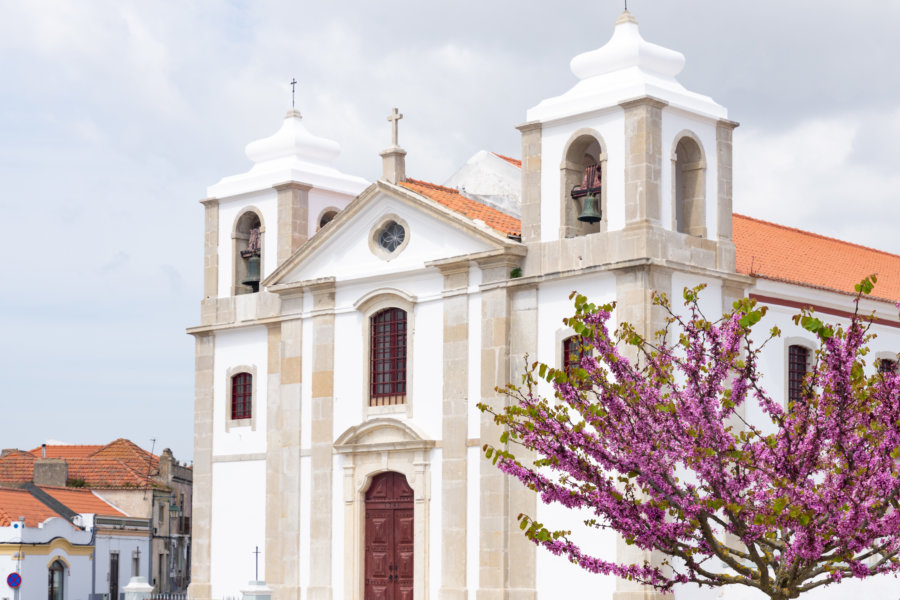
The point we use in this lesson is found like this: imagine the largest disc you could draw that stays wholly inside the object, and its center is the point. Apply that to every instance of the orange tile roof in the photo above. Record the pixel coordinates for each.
(455, 201)
(20, 503)
(782, 253)
(17, 467)
(119, 464)
(512, 161)
(67, 450)
(83, 501)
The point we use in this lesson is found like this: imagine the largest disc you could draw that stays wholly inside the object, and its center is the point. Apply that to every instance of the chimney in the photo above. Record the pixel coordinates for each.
(43, 450)
(51, 471)
(393, 159)
(166, 466)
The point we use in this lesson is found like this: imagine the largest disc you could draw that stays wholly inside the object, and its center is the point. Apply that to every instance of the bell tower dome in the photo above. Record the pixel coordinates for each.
(630, 152)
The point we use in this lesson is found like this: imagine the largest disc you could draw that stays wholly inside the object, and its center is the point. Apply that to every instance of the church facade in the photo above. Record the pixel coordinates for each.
(349, 329)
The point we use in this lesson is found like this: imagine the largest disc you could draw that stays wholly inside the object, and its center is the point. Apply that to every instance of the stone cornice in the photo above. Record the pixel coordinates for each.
(644, 100)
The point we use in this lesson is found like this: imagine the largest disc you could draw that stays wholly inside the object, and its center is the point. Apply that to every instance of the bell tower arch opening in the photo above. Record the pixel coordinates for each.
(689, 186)
(583, 191)
(248, 237)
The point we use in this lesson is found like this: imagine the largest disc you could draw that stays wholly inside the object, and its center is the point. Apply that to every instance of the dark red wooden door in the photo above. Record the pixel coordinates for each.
(389, 538)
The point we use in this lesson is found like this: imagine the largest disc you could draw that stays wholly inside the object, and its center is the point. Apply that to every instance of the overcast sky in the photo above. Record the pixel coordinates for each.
(116, 115)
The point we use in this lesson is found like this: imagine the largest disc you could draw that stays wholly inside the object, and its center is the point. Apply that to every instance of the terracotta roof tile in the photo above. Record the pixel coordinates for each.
(119, 464)
(67, 450)
(513, 161)
(782, 253)
(455, 201)
(20, 503)
(83, 501)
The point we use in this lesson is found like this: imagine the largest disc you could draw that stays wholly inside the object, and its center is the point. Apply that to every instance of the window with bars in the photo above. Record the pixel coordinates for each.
(886, 365)
(388, 358)
(798, 364)
(241, 396)
(573, 352)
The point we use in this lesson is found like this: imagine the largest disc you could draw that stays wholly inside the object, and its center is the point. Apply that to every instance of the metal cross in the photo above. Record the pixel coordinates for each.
(393, 118)
(256, 552)
(293, 84)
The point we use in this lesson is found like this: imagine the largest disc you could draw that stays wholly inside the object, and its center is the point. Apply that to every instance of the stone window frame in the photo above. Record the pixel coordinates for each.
(885, 355)
(369, 305)
(254, 397)
(323, 213)
(376, 248)
(807, 343)
(690, 228)
(571, 174)
(238, 239)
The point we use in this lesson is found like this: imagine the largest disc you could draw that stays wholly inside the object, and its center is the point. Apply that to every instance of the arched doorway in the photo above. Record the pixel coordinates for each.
(389, 544)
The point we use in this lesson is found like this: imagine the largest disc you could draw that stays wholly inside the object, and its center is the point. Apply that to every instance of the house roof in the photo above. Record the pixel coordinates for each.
(452, 199)
(119, 464)
(15, 503)
(66, 450)
(513, 161)
(780, 253)
(83, 501)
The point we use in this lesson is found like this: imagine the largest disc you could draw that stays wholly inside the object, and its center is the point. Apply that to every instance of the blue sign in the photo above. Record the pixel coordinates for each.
(13, 580)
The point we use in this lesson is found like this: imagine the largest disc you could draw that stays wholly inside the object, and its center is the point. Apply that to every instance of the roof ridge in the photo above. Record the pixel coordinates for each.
(816, 235)
(435, 186)
(516, 162)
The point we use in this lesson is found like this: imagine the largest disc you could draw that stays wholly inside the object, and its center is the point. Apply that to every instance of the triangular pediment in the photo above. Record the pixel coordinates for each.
(348, 247)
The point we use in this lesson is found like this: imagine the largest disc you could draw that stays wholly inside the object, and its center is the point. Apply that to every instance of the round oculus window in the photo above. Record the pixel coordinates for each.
(391, 236)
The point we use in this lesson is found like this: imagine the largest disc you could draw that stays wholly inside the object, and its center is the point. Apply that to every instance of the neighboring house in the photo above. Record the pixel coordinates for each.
(139, 483)
(67, 544)
(347, 331)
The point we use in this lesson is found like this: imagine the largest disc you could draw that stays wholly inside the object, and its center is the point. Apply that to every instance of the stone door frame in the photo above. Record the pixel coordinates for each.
(374, 447)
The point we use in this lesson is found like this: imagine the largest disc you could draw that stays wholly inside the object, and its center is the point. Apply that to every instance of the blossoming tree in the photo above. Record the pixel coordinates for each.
(649, 437)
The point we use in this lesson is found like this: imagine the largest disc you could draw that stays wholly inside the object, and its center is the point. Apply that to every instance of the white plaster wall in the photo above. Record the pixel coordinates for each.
(125, 546)
(350, 389)
(347, 256)
(428, 368)
(338, 554)
(674, 121)
(435, 545)
(609, 123)
(473, 509)
(266, 201)
(305, 511)
(710, 298)
(238, 524)
(474, 388)
(34, 568)
(245, 346)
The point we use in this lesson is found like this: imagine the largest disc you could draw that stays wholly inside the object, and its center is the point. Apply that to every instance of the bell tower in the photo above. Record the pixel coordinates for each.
(630, 155)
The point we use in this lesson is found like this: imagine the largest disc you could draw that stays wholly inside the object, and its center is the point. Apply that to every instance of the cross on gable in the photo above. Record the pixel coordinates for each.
(394, 117)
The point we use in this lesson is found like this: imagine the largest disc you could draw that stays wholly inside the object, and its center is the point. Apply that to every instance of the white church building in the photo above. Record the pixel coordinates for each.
(349, 328)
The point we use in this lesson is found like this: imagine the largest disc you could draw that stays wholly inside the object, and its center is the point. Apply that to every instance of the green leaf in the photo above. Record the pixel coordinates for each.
(780, 504)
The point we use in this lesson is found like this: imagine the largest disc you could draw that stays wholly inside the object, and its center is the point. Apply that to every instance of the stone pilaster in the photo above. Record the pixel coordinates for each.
(727, 256)
(293, 217)
(210, 261)
(531, 182)
(494, 517)
(523, 340)
(634, 289)
(454, 433)
(643, 160)
(321, 491)
(201, 510)
(283, 450)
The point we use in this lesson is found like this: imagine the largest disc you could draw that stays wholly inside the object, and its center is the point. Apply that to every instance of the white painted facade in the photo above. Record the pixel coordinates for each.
(328, 287)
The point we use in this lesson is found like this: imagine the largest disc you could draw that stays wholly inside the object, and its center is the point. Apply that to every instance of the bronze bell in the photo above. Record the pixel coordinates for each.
(252, 277)
(591, 211)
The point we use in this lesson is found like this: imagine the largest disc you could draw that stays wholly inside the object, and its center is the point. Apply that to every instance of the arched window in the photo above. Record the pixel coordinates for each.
(327, 217)
(56, 580)
(886, 365)
(798, 366)
(583, 193)
(388, 358)
(689, 210)
(248, 253)
(242, 396)
(572, 353)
